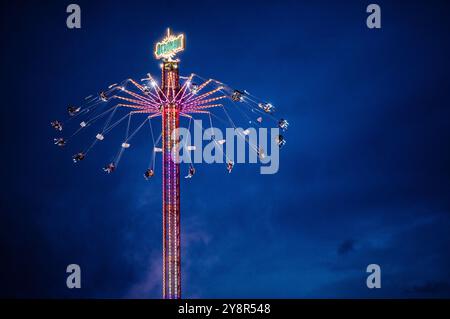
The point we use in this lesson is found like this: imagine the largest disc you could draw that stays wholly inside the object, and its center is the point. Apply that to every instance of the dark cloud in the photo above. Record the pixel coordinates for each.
(431, 288)
(346, 247)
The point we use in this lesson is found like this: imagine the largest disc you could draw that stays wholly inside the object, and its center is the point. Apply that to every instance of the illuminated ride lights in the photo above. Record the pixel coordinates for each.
(170, 101)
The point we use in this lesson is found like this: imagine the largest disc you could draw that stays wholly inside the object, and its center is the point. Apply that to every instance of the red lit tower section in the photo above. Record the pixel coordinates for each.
(171, 185)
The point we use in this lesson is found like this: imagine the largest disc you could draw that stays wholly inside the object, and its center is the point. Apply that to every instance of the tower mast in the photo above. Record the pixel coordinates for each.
(170, 181)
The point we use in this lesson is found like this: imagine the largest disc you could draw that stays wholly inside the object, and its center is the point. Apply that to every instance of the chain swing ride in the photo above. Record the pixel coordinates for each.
(176, 97)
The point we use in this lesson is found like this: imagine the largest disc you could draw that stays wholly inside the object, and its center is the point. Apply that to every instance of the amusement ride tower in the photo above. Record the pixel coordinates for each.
(170, 100)
(171, 183)
(170, 113)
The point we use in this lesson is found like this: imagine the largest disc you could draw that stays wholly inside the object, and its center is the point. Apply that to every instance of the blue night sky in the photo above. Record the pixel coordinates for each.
(364, 177)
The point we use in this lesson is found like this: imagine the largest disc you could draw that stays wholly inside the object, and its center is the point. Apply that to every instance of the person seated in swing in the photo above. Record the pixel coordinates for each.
(78, 157)
(191, 172)
(237, 96)
(109, 168)
(103, 96)
(230, 166)
(266, 107)
(283, 124)
(279, 139)
(148, 173)
(72, 110)
(59, 141)
(57, 125)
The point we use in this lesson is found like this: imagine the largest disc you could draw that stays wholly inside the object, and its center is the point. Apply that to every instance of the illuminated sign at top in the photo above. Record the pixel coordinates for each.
(169, 46)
